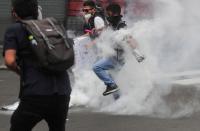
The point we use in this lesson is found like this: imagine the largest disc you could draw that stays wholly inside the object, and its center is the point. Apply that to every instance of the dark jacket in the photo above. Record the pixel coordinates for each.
(32, 80)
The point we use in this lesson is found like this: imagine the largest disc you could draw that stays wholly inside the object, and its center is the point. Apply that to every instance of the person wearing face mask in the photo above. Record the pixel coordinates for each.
(101, 67)
(94, 20)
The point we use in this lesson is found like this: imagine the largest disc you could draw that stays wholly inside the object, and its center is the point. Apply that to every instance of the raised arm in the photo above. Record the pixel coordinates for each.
(134, 45)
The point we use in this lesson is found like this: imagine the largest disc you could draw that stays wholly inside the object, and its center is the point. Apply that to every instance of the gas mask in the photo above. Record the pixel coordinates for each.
(87, 16)
(113, 20)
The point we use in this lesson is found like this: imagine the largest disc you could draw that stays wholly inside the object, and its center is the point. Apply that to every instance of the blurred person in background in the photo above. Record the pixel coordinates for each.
(94, 19)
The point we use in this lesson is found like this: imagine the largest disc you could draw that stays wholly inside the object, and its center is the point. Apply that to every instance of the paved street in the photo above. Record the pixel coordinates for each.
(83, 119)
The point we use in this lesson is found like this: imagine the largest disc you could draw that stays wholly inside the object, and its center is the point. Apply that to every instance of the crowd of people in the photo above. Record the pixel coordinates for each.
(45, 96)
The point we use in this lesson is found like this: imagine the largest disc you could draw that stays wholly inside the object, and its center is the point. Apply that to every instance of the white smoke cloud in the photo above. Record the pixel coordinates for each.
(169, 40)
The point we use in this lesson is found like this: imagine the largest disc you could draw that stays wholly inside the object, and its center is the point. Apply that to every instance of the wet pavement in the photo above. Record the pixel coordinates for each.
(83, 119)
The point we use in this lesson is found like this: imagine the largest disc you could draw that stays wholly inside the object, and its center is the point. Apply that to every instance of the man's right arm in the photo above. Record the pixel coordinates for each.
(10, 60)
(10, 48)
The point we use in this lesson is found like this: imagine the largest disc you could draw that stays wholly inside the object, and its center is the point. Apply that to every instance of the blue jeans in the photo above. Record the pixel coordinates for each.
(104, 64)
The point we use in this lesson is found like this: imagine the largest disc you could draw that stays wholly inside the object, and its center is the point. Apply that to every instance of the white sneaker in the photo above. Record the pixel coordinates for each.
(11, 107)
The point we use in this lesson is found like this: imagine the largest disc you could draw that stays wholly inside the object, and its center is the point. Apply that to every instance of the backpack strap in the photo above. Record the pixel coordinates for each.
(43, 35)
(60, 33)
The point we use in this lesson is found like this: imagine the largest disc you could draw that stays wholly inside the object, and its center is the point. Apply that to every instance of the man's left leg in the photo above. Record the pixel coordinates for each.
(57, 114)
(100, 69)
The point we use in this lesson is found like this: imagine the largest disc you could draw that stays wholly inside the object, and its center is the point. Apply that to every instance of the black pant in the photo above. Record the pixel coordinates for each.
(31, 110)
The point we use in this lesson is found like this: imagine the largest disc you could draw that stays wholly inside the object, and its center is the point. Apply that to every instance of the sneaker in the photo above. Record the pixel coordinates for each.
(11, 107)
(110, 89)
(140, 58)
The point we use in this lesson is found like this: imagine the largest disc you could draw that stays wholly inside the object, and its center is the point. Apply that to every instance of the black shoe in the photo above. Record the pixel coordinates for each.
(110, 89)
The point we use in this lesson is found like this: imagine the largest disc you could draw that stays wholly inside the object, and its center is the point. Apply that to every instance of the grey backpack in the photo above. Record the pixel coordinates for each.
(49, 43)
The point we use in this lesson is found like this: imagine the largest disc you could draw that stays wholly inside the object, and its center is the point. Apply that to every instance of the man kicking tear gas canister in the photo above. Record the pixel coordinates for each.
(100, 68)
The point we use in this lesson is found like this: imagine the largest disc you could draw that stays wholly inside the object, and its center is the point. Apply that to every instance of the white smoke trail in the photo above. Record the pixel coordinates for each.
(169, 39)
